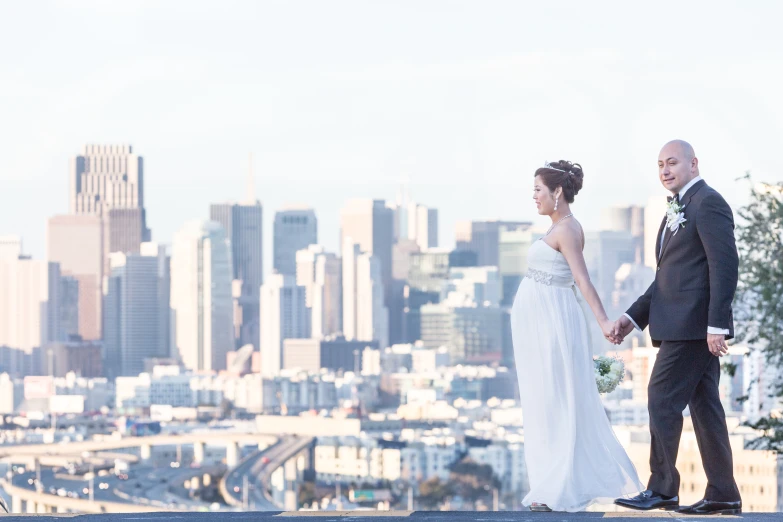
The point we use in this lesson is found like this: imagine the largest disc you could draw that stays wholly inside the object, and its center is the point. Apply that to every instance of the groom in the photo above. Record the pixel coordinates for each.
(688, 310)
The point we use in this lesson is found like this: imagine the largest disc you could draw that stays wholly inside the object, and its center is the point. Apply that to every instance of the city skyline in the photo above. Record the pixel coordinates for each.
(461, 109)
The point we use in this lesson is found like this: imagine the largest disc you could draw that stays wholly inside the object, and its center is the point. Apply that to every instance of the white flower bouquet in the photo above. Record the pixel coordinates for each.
(609, 372)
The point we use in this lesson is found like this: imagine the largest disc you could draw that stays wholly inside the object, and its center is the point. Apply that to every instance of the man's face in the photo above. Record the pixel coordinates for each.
(675, 169)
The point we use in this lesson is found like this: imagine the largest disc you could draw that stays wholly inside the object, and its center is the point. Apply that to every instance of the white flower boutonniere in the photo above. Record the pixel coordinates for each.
(675, 216)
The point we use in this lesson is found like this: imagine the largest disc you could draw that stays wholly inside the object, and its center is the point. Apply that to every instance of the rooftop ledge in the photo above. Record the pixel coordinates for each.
(418, 516)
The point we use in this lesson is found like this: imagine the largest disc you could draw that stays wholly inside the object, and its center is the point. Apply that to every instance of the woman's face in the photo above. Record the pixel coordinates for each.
(545, 201)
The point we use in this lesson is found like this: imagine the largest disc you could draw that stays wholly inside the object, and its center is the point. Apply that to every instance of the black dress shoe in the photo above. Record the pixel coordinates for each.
(649, 499)
(712, 507)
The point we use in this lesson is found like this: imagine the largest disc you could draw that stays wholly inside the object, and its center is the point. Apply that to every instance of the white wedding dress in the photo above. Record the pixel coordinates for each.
(573, 457)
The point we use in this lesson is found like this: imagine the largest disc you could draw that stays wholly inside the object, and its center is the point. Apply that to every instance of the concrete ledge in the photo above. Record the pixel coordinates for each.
(419, 516)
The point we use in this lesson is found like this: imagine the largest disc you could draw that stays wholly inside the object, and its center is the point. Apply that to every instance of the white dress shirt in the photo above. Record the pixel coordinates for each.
(683, 190)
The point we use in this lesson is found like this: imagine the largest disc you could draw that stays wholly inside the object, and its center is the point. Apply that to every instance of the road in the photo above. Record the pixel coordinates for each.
(258, 467)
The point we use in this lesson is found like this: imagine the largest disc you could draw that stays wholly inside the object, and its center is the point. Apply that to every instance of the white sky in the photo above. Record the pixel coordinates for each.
(346, 99)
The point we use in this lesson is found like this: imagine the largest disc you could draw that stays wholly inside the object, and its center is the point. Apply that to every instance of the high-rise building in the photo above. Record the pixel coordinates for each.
(76, 243)
(372, 317)
(471, 333)
(107, 178)
(483, 237)
(423, 226)
(124, 229)
(365, 316)
(295, 229)
(201, 299)
(69, 308)
(243, 225)
(136, 311)
(320, 273)
(10, 247)
(29, 303)
(334, 354)
(284, 315)
(626, 219)
(370, 224)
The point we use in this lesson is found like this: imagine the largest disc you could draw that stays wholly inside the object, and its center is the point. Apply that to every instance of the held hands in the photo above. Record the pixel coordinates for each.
(717, 344)
(618, 330)
(610, 332)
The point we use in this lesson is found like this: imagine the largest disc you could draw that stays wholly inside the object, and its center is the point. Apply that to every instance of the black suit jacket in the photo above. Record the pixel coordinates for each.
(697, 273)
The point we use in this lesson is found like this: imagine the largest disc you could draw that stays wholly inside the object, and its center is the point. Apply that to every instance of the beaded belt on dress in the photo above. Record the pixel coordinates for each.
(549, 279)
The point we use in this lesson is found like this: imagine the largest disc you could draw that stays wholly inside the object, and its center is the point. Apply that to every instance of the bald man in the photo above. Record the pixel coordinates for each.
(688, 310)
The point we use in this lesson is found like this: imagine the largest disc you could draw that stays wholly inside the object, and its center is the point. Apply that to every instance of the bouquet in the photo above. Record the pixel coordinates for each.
(609, 372)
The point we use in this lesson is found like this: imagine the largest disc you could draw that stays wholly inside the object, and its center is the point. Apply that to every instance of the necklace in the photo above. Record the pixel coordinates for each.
(555, 224)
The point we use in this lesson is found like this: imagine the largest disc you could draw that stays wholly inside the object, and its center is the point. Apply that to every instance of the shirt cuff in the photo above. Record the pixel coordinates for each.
(633, 322)
(717, 331)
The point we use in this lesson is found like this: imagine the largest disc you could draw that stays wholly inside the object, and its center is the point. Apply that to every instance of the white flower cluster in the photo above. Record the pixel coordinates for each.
(609, 372)
(675, 216)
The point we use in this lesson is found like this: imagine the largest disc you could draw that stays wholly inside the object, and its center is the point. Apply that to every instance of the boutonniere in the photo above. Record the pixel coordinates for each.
(675, 216)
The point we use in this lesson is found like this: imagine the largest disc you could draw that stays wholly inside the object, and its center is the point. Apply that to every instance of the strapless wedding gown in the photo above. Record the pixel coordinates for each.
(573, 457)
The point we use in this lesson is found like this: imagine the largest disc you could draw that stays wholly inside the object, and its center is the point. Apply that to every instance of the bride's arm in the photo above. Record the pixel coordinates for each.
(570, 244)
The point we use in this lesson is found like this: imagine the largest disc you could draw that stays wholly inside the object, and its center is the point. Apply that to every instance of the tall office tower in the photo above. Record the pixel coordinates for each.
(627, 219)
(483, 237)
(29, 303)
(69, 308)
(365, 316)
(423, 225)
(201, 299)
(106, 178)
(654, 213)
(10, 247)
(320, 272)
(284, 316)
(350, 252)
(295, 229)
(76, 243)
(370, 224)
(372, 317)
(136, 311)
(243, 225)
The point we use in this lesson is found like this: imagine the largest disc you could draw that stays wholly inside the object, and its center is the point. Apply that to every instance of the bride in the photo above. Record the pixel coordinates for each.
(573, 457)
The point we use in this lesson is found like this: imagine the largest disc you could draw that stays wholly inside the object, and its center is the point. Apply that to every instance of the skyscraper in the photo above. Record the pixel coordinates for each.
(106, 178)
(365, 316)
(370, 224)
(372, 316)
(243, 225)
(295, 229)
(483, 237)
(76, 243)
(135, 318)
(512, 260)
(283, 316)
(29, 303)
(423, 226)
(320, 272)
(654, 213)
(201, 299)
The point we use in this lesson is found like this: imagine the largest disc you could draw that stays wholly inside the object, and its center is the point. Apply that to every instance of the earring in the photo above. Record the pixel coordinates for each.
(556, 202)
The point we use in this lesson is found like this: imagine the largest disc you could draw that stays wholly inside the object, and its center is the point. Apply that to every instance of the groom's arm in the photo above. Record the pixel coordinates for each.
(715, 226)
(639, 312)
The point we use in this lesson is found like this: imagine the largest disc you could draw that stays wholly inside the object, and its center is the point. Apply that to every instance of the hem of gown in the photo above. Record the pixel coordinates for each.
(555, 506)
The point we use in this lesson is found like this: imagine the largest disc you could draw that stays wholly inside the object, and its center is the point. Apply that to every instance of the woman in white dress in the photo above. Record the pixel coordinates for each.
(573, 457)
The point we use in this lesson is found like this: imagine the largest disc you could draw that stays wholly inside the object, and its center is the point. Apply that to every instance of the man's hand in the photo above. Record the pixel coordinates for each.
(607, 328)
(717, 344)
(622, 327)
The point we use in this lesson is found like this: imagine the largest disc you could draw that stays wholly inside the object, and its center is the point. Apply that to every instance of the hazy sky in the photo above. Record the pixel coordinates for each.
(347, 99)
